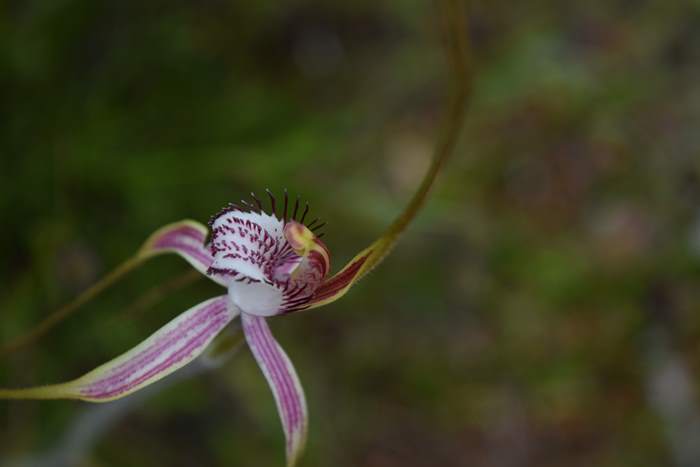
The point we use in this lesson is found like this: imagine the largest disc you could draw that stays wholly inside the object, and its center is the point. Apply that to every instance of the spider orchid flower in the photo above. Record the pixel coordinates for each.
(270, 264)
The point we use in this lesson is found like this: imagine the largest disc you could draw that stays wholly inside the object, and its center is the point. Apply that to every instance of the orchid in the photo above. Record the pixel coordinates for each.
(271, 262)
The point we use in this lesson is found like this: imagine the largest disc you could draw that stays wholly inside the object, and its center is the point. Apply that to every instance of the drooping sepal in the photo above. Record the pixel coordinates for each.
(168, 349)
(284, 382)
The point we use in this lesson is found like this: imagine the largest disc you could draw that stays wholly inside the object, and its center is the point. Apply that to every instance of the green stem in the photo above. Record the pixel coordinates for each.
(66, 310)
(456, 43)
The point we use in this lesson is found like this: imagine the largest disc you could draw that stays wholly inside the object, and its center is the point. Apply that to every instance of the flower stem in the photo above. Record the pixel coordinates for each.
(69, 308)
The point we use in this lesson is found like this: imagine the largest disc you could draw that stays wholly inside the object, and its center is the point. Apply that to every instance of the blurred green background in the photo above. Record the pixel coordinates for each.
(542, 311)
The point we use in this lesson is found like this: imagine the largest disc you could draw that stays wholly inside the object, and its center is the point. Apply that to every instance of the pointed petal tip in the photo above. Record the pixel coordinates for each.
(295, 452)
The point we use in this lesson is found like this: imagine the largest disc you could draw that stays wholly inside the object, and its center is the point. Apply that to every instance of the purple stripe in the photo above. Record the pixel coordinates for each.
(176, 240)
(175, 358)
(291, 400)
(284, 382)
(164, 341)
(270, 356)
(340, 281)
(183, 353)
(184, 231)
(202, 256)
(99, 387)
(275, 376)
(117, 380)
(168, 339)
(288, 398)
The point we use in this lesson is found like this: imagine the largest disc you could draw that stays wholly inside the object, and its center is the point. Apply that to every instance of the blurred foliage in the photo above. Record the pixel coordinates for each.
(509, 328)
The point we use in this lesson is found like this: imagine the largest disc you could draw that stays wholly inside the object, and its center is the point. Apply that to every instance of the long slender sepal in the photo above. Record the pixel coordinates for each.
(168, 349)
(284, 382)
(185, 238)
(456, 40)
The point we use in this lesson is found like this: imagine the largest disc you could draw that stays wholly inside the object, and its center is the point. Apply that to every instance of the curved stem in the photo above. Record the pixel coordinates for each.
(456, 44)
(69, 308)
(185, 238)
(453, 17)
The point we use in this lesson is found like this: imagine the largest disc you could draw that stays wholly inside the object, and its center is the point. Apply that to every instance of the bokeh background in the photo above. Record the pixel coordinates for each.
(542, 311)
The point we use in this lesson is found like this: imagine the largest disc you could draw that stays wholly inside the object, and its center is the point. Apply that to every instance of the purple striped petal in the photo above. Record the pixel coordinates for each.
(283, 381)
(170, 348)
(185, 238)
